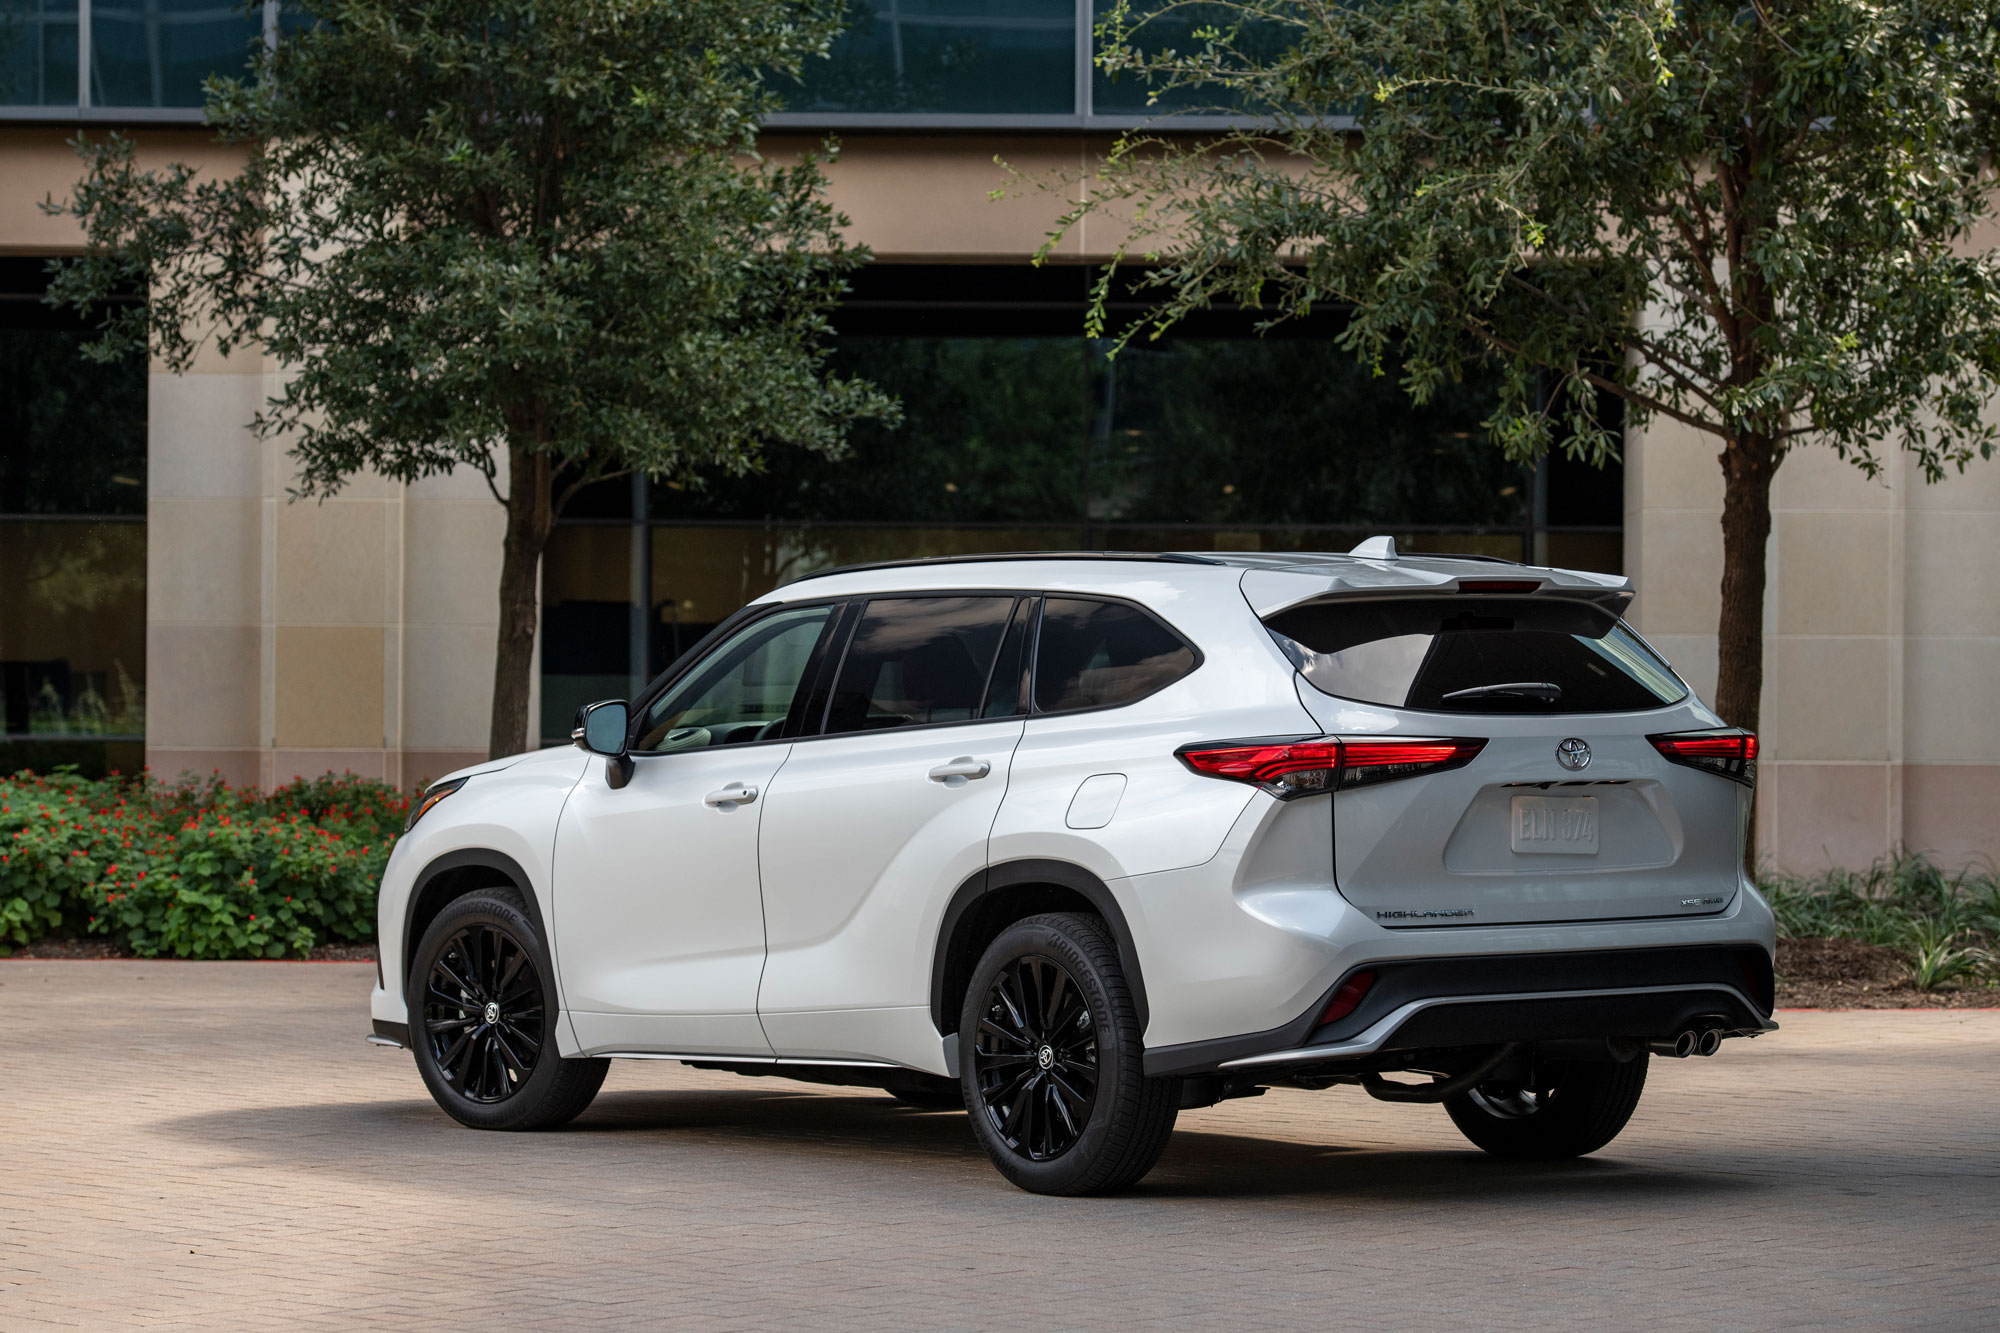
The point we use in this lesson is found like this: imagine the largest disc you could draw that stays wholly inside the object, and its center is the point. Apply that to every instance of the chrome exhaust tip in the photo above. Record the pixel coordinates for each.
(1709, 1042)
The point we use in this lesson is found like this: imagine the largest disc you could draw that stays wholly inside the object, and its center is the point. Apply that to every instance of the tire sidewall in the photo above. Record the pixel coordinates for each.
(1118, 1060)
(502, 909)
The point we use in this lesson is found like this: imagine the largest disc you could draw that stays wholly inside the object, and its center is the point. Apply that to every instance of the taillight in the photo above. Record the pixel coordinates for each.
(1729, 754)
(1347, 999)
(1310, 764)
(1499, 585)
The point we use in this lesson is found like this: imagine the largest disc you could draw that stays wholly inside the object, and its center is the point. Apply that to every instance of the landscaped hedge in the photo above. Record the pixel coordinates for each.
(198, 870)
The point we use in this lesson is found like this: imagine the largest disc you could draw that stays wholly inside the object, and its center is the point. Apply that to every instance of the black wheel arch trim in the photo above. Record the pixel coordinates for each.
(1013, 874)
(482, 858)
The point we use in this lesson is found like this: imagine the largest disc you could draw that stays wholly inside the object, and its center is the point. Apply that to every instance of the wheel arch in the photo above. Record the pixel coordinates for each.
(453, 875)
(996, 897)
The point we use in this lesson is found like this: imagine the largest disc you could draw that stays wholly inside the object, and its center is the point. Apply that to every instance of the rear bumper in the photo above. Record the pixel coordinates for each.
(1440, 1003)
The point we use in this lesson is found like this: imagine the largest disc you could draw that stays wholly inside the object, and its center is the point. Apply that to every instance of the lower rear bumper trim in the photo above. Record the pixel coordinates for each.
(1476, 1019)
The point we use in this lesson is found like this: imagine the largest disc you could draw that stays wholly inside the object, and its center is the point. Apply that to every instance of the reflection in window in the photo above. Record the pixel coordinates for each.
(947, 57)
(915, 661)
(1130, 93)
(158, 52)
(743, 691)
(72, 542)
(37, 52)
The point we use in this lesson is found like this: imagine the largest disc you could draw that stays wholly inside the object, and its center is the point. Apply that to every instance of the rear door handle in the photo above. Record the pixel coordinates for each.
(735, 794)
(960, 771)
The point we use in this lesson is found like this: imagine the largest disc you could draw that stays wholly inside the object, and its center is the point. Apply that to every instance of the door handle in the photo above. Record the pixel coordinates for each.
(960, 771)
(735, 794)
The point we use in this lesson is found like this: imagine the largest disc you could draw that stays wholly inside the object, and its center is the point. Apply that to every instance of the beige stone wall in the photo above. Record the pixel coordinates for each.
(1882, 643)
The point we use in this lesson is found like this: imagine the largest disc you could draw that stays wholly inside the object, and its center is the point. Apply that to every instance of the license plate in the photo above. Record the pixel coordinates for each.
(1561, 824)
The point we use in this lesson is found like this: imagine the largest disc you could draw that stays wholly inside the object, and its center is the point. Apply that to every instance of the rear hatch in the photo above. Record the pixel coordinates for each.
(1571, 808)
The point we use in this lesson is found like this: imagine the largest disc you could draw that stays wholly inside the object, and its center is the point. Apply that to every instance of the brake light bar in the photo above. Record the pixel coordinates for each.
(1305, 765)
(1499, 585)
(1729, 754)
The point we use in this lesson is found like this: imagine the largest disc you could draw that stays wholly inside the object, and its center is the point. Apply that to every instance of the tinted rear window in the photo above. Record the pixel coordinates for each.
(1476, 655)
(1101, 654)
(916, 661)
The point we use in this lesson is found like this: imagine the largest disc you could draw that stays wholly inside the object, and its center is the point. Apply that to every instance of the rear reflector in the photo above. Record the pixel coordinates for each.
(1309, 764)
(1499, 585)
(1729, 754)
(1347, 999)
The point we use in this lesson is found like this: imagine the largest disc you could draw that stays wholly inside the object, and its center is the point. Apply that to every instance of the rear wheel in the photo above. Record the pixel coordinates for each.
(1567, 1109)
(1051, 1061)
(482, 1008)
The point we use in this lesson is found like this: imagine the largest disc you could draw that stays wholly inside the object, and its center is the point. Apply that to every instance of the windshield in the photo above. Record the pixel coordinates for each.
(1463, 654)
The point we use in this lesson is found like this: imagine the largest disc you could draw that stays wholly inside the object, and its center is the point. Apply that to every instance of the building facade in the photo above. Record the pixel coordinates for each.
(163, 602)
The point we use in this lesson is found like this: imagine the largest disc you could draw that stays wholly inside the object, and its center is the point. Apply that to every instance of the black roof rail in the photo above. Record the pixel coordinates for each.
(1167, 557)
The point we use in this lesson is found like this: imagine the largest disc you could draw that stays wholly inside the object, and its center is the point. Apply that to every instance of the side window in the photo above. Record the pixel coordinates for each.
(743, 690)
(1100, 654)
(918, 660)
(1008, 694)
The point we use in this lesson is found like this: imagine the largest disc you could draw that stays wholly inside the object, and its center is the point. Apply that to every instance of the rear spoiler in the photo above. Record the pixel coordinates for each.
(1270, 591)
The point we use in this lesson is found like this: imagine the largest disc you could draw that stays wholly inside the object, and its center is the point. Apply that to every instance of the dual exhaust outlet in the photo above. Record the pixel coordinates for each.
(1691, 1041)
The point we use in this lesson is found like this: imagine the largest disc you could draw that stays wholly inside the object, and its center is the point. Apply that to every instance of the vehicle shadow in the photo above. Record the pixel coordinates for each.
(839, 1133)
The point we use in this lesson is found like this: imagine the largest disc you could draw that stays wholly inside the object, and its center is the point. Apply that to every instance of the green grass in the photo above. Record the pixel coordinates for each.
(1946, 926)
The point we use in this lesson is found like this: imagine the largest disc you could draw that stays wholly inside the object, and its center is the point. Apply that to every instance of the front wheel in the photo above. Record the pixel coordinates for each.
(1567, 1109)
(1050, 1061)
(482, 1007)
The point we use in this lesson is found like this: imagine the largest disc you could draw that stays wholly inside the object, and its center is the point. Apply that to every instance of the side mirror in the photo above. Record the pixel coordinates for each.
(600, 727)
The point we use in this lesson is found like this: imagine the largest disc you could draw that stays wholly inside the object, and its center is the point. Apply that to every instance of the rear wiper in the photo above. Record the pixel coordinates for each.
(1545, 690)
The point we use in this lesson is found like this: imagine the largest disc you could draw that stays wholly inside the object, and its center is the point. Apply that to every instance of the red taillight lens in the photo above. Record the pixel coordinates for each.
(1287, 768)
(1283, 768)
(1729, 754)
(1347, 999)
(1363, 762)
(1499, 585)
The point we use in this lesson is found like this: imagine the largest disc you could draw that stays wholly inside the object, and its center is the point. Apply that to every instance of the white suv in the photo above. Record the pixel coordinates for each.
(1078, 841)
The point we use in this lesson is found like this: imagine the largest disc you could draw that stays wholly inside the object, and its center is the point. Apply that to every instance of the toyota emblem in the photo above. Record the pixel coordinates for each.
(1573, 754)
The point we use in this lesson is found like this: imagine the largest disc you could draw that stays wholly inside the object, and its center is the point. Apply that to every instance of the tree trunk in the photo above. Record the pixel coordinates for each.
(530, 515)
(1748, 462)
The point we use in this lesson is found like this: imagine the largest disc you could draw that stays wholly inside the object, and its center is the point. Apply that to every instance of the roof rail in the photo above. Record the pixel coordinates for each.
(1166, 557)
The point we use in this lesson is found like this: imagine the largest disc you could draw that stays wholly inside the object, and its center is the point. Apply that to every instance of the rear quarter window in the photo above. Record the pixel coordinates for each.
(1093, 654)
(1461, 654)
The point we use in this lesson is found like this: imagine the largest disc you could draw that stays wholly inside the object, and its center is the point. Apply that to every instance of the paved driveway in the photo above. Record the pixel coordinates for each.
(211, 1144)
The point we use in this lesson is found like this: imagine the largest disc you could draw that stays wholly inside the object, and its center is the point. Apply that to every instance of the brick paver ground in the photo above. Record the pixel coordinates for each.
(211, 1144)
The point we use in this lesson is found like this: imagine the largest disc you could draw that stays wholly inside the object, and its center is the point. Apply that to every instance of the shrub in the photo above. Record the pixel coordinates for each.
(1947, 927)
(195, 870)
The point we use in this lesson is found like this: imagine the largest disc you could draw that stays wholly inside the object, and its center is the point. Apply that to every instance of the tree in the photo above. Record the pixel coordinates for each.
(511, 235)
(1752, 219)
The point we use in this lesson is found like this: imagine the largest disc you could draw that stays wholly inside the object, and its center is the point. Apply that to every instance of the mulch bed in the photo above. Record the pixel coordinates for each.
(1812, 973)
(88, 949)
(1848, 974)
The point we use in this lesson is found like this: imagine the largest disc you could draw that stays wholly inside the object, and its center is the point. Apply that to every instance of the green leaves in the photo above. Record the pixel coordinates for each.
(467, 223)
(196, 871)
(1751, 219)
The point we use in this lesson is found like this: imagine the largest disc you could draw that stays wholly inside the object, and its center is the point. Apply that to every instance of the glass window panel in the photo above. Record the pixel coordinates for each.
(37, 52)
(962, 57)
(158, 52)
(72, 628)
(1101, 654)
(741, 692)
(1461, 655)
(1131, 93)
(915, 661)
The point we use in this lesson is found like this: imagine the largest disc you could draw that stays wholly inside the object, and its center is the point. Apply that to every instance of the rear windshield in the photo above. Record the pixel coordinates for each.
(1475, 655)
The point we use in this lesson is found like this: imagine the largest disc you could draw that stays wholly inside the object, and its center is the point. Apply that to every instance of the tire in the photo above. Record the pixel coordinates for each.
(481, 956)
(1060, 1100)
(1576, 1109)
(926, 1092)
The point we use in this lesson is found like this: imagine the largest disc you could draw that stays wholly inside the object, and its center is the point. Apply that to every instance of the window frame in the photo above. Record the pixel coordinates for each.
(820, 699)
(704, 648)
(1035, 708)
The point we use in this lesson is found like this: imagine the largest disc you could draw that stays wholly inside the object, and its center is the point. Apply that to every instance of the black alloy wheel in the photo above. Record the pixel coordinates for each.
(483, 1014)
(1052, 1060)
(483, 1000)
(1035, 1058)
